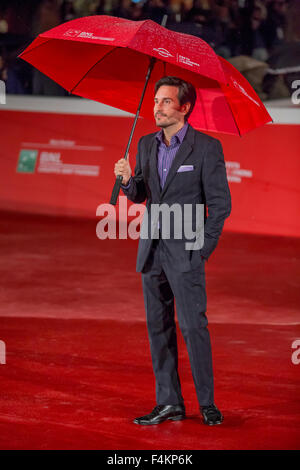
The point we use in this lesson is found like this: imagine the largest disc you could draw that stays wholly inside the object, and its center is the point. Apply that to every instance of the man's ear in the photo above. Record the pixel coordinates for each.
(185, 107)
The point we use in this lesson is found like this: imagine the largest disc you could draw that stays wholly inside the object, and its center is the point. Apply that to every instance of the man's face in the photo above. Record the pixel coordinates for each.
(167, 109)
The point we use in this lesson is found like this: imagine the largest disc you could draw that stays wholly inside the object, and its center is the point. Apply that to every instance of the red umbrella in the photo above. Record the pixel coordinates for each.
(106, 58)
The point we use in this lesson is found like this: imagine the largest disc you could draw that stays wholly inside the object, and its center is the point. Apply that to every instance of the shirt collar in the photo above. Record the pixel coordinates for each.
(178, 137)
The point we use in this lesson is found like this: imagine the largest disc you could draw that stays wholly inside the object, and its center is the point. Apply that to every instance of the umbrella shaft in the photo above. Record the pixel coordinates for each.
(119, 178)
(151, 65)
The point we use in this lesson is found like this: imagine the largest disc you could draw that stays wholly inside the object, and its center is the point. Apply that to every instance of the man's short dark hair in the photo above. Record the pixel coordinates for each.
(186, 91)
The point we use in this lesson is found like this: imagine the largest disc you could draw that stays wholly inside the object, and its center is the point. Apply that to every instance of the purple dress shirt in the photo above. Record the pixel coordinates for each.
(165, 154)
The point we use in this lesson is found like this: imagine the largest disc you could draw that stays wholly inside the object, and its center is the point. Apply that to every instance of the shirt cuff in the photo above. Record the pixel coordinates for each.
(127, 186)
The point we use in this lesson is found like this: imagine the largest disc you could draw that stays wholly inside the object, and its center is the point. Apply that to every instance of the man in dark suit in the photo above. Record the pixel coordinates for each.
(177, 166)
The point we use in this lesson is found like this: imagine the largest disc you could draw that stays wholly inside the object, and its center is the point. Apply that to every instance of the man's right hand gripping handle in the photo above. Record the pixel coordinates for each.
(122, 167)
(122, 171)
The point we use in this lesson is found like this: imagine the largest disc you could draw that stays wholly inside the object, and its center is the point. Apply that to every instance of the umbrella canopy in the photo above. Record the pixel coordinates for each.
(106, 58)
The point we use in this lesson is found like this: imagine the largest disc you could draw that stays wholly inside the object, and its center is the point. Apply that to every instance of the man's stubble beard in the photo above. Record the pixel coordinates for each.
(164, 125)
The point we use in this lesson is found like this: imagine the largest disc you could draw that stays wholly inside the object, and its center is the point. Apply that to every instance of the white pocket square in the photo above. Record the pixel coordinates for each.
(185, 168)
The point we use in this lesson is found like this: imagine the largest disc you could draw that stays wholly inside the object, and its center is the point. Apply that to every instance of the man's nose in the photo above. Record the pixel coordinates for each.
(158, 106)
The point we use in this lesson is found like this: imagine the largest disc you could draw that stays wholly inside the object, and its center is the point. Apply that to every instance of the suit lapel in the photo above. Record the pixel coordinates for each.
(153, 165)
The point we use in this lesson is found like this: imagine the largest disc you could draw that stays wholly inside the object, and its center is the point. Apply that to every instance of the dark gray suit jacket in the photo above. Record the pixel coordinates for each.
(206, 184)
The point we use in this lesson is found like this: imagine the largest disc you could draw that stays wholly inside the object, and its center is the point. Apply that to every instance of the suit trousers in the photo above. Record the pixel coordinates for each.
(161, 284)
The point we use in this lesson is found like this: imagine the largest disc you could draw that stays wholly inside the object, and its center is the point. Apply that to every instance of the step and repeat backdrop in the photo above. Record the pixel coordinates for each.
(57, 157)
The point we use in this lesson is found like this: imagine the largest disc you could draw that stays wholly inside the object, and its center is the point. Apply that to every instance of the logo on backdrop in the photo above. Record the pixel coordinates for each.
(27, 161)
(2, 92)
(235, 173)
(51, 161)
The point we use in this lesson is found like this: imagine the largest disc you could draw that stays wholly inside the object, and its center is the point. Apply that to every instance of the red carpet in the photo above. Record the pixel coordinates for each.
(78, 366)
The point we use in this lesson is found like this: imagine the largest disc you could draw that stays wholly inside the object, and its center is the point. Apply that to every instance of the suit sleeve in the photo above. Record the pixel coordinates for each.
(217, 196)
(136, 189)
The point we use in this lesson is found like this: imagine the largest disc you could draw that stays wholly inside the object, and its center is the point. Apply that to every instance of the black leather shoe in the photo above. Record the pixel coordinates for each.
(161, 413)
(211, 415)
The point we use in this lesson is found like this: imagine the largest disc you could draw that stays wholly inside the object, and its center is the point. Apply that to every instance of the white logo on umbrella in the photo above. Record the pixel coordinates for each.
(242, 90)
(87, 35)
(163, 52)
(72, 33)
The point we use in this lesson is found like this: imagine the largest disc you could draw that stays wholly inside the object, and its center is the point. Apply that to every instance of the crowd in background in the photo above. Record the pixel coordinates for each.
(249, 33)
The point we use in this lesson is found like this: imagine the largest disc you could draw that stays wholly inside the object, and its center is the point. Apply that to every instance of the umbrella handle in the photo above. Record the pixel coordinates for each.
(116, 190)
(119, 178)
